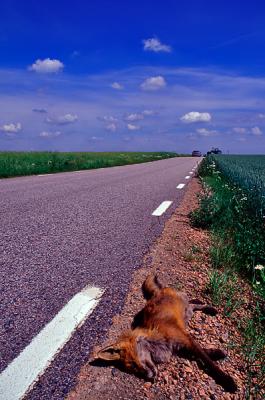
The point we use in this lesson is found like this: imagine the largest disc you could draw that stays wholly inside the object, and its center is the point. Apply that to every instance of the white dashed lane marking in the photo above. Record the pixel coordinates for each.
(162, 208)
(180, 185)
(21, 374)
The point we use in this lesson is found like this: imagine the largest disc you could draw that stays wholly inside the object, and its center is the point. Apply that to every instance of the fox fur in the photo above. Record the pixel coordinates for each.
(159, 331)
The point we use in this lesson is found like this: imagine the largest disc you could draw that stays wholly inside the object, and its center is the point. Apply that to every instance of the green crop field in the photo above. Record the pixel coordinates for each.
(30, 163)
(246, 171)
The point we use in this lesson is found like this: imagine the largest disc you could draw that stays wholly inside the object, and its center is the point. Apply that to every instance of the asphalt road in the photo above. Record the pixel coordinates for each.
(59, 233)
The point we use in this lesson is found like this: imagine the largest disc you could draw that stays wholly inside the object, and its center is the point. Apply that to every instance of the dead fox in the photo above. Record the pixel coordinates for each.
(159, 330)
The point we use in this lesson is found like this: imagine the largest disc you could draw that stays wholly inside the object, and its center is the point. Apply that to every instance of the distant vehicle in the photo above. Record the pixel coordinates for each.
(214, 150)
(196, 153)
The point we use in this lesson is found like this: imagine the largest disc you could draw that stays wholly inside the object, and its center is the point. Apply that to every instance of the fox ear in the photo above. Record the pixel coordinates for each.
(110, 353)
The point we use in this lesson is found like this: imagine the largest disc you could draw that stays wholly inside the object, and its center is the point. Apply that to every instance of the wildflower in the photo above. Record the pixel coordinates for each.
(257, 283)
(259, 267)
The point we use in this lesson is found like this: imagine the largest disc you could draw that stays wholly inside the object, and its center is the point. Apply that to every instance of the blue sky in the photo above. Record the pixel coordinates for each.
(132, 75)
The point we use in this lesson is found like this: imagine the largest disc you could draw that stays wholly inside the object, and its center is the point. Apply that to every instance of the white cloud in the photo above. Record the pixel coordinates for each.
(133, 127)
(195, 116)
(261, 116)
(256, 131)
(138, 116)
(108, 118)
(46, 134)
(206, 132)
(62, 119)
(149, 113)
(116, 85)
(112, 127)
(240, 130)
(133, 117)
(11, 128)
(153, 83)
(154, 44)
(46, 66)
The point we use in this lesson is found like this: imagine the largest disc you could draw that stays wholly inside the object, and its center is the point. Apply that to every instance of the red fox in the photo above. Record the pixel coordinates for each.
(159, 330)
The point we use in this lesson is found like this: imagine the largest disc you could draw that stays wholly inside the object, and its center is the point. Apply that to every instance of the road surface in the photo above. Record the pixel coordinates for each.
(63, 232)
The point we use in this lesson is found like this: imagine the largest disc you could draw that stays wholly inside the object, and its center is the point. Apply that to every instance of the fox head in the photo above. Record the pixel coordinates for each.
(137, 353)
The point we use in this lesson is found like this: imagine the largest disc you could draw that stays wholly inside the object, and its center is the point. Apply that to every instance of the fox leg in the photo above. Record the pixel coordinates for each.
(151, 287)
(206, 309)
(213, 354)
(196, 301)
(198, 305)
(209, 310)
(220, 377)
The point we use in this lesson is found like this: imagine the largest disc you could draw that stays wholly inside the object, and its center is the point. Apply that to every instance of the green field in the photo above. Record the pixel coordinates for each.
(245, 171)
(31, 163)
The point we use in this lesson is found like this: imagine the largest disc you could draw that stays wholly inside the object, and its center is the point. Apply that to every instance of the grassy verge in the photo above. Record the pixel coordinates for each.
(30, 163)
(237, 255)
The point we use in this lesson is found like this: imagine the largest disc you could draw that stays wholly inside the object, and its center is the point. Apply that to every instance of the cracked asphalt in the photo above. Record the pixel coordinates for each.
(62, 232)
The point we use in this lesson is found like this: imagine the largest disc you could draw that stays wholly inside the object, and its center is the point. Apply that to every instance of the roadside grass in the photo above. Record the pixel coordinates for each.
(253, 349)
(237, 251)
(224, 290)
(32, 163)
(192, 254)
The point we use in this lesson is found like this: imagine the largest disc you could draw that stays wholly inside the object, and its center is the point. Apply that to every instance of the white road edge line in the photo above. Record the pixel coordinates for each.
(191, 172)
(21, 374)
(162, 208)
(180, 185)
(187, 177)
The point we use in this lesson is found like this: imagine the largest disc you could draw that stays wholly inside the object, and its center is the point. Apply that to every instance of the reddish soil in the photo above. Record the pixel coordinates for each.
(180, 258)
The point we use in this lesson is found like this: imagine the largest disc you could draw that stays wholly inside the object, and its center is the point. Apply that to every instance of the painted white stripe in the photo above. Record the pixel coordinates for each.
(45, 174)
(187, 177)
(21, 374)
(162, 208)
(191, 172)
(180, 185)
